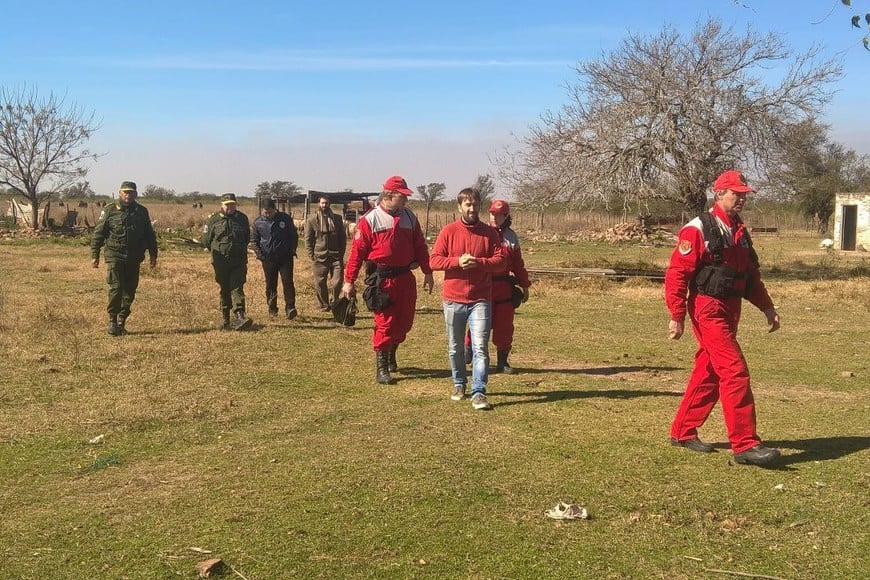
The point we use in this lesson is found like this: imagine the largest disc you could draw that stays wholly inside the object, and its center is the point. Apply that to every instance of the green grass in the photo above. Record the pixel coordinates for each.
(275, 451)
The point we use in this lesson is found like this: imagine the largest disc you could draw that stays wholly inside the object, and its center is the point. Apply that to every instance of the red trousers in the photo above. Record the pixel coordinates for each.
(720, 374)
(393, 324)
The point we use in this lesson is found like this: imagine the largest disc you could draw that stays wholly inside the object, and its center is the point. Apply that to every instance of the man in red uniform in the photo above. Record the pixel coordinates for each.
(390, 242)
(503, 284)
(711, 270)
(468, 251)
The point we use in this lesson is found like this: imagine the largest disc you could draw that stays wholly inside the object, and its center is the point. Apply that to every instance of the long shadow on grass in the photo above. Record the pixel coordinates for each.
(599, 371)
(418, 373)
(553, 396)
(820, 448)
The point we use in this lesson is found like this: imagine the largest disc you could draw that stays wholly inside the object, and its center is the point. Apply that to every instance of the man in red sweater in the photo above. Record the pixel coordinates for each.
(711, 270)
(390, 242)
(468, 251)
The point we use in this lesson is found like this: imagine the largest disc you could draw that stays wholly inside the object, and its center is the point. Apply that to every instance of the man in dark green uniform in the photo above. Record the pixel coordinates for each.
(227, 234)
(125, 230)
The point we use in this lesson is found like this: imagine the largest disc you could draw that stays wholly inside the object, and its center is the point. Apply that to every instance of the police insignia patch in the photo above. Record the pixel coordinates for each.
(685, 247)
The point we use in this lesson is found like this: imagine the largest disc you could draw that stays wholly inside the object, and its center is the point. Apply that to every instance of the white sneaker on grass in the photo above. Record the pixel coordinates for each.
(479, 402)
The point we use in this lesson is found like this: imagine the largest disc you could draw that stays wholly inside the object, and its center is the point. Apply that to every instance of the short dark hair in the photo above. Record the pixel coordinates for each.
(468, 194)
(324, 196)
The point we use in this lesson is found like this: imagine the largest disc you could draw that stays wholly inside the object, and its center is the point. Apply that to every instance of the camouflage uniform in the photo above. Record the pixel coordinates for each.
(227, 235)
(126, 232)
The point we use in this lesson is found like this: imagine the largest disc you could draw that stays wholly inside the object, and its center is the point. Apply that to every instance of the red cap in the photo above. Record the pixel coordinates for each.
(397, 183)
(500, 206)
(733, 180)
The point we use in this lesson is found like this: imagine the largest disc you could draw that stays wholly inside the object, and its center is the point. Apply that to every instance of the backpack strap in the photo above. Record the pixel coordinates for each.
(712, 235)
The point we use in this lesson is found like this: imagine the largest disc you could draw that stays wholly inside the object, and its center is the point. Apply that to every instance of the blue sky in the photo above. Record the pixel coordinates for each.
(218, 96)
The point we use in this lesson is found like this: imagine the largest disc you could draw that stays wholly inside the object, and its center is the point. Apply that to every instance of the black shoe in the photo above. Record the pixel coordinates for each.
(758, 455)
(502, 365)
(382, 372)
(693, 444)
(112, 329)
(291, 313)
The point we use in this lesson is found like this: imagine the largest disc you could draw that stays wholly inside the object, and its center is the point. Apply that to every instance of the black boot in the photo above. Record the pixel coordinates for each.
(225, 320)
(502, 365)
(382, 364)
(120, 330)
(112, 329)
(392, 365)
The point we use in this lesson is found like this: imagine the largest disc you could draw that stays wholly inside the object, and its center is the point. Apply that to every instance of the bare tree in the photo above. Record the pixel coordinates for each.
(660, 117)
(430, 194)
(42, 145)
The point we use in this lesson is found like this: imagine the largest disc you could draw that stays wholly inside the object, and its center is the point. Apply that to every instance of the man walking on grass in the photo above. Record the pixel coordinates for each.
(226, 234)
(469, 251)
(126, 231)
(712, 269)
(325, 242)
(389, 242)
(275, 240)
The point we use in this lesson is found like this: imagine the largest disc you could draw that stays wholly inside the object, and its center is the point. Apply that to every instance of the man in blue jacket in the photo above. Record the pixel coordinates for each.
(275, 239)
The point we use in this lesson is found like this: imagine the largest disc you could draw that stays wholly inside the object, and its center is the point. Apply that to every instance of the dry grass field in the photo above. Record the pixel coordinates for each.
(138, 456)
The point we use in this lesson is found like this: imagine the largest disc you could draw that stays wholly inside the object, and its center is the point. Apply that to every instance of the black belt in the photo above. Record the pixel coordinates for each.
(386, 271)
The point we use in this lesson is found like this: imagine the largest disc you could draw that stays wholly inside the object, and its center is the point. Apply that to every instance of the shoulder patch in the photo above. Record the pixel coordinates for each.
(685, 247)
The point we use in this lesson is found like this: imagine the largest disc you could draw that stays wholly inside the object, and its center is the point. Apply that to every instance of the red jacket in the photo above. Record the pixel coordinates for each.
(691, 254)
(387, 240)
(481, 241)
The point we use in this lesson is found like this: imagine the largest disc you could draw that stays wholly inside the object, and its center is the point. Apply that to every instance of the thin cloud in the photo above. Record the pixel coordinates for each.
(325, 62)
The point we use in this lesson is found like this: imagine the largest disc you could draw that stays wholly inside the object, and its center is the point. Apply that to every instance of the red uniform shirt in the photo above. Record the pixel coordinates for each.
(691, 254)
(387, 240)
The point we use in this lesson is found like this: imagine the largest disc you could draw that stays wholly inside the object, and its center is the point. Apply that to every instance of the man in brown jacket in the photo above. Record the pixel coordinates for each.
(325, 241)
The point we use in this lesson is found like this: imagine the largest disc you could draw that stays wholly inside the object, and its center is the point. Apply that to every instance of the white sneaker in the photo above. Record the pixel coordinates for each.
(479, 402)
(458, 393)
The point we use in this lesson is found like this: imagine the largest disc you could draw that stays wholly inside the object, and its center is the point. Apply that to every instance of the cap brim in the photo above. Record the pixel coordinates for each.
(128, 189)
(407, 192)
(229, 202)
(741, 189)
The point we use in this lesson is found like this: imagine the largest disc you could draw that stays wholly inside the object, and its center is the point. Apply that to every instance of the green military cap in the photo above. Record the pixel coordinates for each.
(128, 186)
(228, 198)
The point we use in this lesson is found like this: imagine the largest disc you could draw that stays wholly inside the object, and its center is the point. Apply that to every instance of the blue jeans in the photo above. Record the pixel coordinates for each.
(477, 317)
